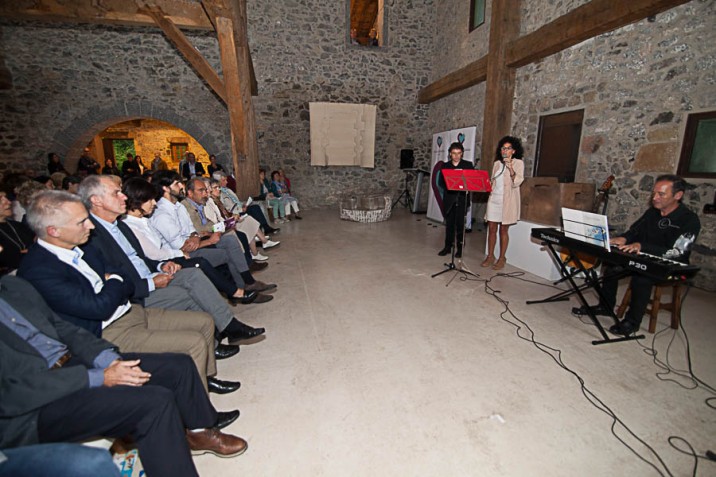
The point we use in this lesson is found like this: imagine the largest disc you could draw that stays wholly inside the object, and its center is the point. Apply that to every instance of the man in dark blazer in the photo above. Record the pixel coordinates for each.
(60, 383)
(156, 284)
(454, 202)
(190, 168)
(81, 290)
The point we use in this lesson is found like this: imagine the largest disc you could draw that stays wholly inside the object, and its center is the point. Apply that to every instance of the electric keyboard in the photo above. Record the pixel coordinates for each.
(656, 267)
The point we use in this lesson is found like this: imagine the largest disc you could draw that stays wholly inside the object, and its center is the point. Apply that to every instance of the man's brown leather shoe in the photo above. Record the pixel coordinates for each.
(215, 442)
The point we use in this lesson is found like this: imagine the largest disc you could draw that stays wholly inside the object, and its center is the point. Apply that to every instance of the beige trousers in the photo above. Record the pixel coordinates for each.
(156, 330)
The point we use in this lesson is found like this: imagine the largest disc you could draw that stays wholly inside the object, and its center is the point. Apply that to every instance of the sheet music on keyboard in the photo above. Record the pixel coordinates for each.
(586, 226)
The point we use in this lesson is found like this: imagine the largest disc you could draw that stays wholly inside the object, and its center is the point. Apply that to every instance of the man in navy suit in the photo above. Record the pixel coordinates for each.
(60, 383)
(156, 284)
(80, 289)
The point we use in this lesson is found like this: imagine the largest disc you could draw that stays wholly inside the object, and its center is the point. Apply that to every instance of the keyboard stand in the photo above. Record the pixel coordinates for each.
(591, 281)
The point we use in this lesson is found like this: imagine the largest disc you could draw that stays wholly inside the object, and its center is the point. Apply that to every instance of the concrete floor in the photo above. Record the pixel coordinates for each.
(370, 367)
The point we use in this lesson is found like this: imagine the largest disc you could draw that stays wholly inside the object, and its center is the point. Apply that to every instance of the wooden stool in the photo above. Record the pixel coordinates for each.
(656, 304)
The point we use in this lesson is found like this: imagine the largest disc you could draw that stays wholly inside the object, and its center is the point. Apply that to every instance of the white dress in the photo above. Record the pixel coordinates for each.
(494, 203)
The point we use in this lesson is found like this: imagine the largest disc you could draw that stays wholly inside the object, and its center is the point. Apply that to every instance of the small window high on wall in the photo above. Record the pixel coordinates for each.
(477, 13)
(366, 23)
(558, 145)
(698, 152)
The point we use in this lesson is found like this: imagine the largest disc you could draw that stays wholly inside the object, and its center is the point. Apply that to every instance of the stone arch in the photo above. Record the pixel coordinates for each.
(70, 141)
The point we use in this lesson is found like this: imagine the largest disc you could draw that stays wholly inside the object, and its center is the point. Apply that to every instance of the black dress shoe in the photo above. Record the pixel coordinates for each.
(272, 230)
(444, 251)
(263, 298)
(223, 351)
(257, 266)
(244, 333)
(249, 297)
(458, 254)
(218, 386)
(260, 286)
(624, 328)
(226, 418)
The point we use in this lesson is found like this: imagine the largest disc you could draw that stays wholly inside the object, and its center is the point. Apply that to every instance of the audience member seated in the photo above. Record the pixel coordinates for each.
(15, 238)
(156, 284)
(80, 289)
(71, 184)
(110, 169)
(173, 223)
(191, 168)
(24, 193)
(195, 203)
(54, 164)
(233, 205)
(57, 178)
(280, 191)
(45, 181)
(214, 166)
(140, 206)
(249, 226)
(62, 384)
(273, 202)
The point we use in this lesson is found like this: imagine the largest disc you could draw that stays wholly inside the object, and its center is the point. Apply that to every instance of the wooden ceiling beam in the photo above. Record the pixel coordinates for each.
(584, 22)
(182, 43)
(184, 14)
(470, 75)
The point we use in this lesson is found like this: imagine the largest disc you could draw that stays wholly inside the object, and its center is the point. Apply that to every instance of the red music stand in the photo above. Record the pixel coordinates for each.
(467, 180)
(463, 180)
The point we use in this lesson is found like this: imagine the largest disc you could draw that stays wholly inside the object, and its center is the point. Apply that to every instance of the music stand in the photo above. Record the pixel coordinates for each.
(463, 180)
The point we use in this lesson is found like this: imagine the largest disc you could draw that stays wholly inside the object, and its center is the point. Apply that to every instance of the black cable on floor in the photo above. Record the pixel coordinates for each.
(556, 355)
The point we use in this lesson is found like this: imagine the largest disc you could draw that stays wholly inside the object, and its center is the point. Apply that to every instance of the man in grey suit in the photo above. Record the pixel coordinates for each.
(156, 284)
(60, 383)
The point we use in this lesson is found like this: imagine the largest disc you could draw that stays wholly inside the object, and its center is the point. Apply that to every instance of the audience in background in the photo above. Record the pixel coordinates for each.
(159, 164)
(213, 166)
(280, 190)
(54, 164)
(87, 165)
(110, 169)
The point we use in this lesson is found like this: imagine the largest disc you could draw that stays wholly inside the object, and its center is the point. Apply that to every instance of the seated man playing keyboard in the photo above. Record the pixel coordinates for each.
(667, 229)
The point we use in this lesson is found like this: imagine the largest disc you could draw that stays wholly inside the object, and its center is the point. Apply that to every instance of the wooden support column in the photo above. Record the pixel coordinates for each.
(250, 170)
(497, 118)
(245, 158)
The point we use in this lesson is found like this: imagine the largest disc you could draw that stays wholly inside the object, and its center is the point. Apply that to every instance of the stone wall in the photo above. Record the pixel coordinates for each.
(637, 86)
(72, 81)
(299, 59)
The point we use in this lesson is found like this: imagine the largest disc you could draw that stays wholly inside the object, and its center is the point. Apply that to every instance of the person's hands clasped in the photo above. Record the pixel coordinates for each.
(171, 268)
(190, 244)
(162, 280)
(125, 373)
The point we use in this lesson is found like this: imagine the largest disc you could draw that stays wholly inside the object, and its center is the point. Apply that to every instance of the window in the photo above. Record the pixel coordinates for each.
(366, 22)
(558, 145)
(698, 152)
(477, 13)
